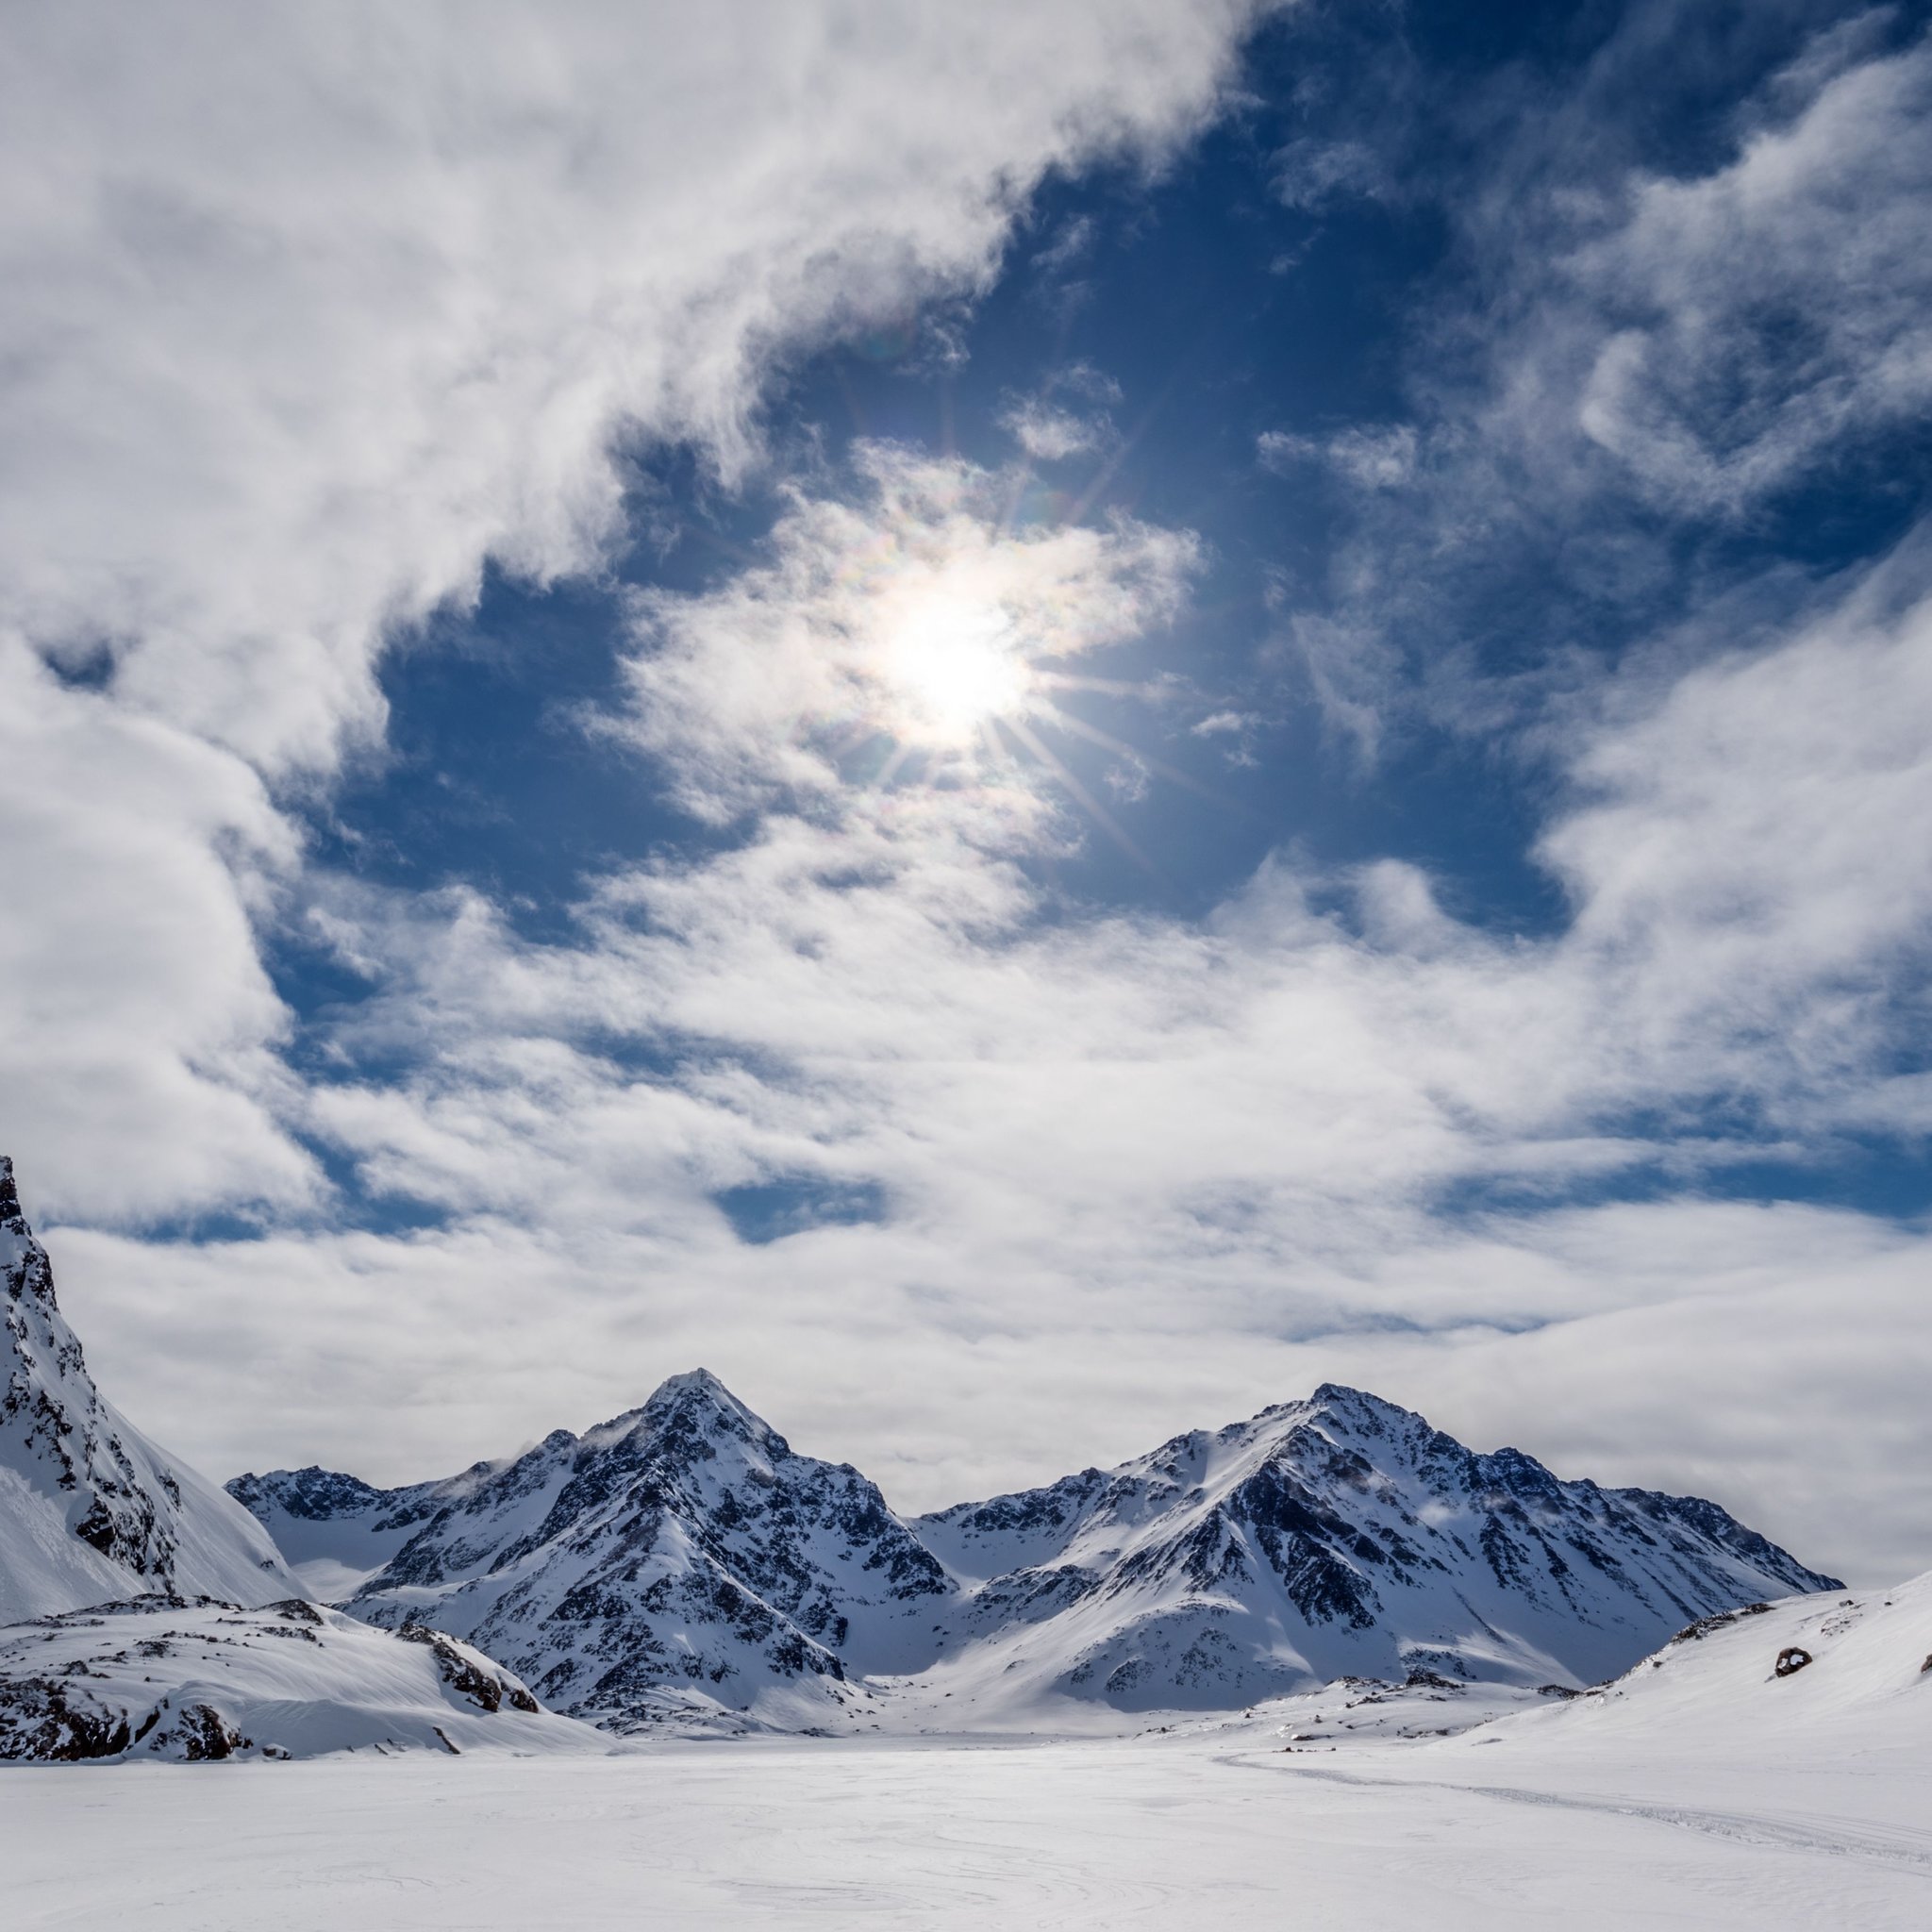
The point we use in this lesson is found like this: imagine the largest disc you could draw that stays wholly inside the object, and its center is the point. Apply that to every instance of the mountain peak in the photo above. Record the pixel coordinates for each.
(694, 1403)
(1352, 1411)
(27, 1273)
(1340, 1395)
(699, 1381)
(699, 1390)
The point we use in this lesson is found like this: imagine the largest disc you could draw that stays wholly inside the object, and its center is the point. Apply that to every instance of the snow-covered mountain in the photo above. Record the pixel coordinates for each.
(678, 1562)
(165, 1677)
(1339, 1536)
(683, 1564)
(90, 1510)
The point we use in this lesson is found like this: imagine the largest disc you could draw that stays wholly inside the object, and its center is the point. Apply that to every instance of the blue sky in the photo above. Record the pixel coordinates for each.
(1028, 731)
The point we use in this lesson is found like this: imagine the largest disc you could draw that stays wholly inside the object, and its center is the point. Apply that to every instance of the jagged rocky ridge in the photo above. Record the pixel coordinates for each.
(90, 1509)
(682, 1563)
(678, 1561)
(1339, 1536)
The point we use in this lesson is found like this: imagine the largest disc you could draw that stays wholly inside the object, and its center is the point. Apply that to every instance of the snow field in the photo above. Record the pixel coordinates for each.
(1206, 1829)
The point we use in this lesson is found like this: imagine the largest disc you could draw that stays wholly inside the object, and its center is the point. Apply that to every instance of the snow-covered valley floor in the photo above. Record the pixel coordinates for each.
(1216, 1826)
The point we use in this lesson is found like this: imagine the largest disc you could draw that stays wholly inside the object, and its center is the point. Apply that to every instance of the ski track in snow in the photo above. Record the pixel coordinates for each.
(956, 1833)
(1831, 1836)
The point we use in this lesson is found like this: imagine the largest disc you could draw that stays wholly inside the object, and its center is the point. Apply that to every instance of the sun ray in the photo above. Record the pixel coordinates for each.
(1104, 476)
(1066, 721)
(1016, 496)
(1099, 813)
(1108, 687)
(882, 781)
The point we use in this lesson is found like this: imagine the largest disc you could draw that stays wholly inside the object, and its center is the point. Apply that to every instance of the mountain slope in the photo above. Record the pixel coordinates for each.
(169, 1679)
(334, 1531)
(1333, 1537)
(90, 1510)
(681, 1563)
(1713, 1694)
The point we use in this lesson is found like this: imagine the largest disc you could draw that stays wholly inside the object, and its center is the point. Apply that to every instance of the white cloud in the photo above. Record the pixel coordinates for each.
(1069, 415)
(306, 315)
(1050, 435)
(1313, 174)
(1375, 457)
(140, 1027)
(1354, 674)
(1072, 243)
(1751, 856)
(1626, 374)
(1777, 307)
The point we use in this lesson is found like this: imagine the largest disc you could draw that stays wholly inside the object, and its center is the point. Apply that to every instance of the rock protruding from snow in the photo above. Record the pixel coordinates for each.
(681, 1563)
(166, 1677)
(88, 1507)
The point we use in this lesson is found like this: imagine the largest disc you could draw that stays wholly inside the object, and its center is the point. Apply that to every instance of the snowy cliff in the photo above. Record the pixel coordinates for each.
(90, 1510)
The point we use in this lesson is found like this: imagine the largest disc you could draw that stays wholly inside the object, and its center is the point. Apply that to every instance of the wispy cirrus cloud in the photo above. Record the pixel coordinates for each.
(1626, 364)
(1069, 415)
(1753, 328)
(1372, 458)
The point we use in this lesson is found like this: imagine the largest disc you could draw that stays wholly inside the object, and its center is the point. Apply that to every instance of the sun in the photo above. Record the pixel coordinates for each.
(953, 664)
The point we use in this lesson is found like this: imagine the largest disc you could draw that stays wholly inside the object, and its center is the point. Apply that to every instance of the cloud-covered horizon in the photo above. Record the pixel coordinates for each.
(856, 1085)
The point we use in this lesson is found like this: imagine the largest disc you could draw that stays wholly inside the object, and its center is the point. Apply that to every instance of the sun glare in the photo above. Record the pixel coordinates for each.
(955, 664)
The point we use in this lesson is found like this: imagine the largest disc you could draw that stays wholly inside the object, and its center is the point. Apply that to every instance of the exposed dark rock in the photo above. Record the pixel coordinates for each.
(1695, 1633)
(45, 1721)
